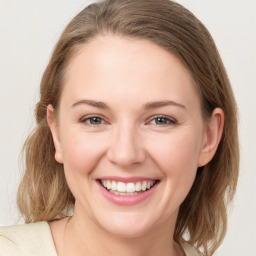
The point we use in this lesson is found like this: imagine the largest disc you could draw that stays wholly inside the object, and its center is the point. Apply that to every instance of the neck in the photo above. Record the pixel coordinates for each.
(82, 237)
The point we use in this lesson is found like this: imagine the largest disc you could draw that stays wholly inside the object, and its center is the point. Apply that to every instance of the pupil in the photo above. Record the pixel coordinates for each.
(95, 120)
(161, 120)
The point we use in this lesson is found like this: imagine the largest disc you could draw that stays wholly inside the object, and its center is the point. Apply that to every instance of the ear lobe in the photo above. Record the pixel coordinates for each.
(55, 133)
(213, 133)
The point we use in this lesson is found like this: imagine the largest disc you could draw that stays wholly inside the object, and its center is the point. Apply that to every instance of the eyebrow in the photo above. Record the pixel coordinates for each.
(96, 104)
(147, 106)
(159, 104)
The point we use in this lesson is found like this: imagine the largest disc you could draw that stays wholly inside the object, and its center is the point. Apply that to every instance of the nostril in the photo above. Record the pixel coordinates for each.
(125, 148)
(125, 157)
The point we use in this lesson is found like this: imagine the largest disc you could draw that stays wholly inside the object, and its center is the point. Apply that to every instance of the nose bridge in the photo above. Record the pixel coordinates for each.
(125, 148)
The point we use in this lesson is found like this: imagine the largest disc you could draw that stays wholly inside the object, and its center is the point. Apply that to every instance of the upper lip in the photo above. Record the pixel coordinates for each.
(126, 179)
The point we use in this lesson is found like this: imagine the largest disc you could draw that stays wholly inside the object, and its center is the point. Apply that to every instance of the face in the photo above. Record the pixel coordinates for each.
(129, 133)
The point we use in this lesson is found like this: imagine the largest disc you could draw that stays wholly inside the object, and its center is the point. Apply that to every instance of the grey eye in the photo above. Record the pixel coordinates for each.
(161, 120)
(93, 120)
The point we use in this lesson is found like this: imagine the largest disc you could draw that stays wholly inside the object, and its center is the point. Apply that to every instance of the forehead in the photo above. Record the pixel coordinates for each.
(126, 67)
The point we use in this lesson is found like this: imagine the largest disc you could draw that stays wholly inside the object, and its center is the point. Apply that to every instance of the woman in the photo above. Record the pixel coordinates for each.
(132, 149)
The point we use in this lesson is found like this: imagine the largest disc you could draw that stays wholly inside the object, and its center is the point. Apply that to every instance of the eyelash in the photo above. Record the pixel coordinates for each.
(89, 119)
(168, 120)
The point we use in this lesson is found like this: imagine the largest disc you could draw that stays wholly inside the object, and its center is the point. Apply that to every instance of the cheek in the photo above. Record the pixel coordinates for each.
(177, 157)
(177, 149)
(81, 152)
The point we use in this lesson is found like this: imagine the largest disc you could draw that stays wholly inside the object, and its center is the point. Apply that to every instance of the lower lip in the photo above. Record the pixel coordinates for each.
(127, 200)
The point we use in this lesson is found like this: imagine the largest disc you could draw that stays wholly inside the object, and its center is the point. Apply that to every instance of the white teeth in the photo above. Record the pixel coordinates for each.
(123, 194)
(130, 188)
(144, 186)
(138, 186)
(113, 185)
(109, 184)
(120, 187)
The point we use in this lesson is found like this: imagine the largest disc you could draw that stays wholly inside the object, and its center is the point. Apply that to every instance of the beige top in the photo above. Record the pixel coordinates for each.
(35, 239)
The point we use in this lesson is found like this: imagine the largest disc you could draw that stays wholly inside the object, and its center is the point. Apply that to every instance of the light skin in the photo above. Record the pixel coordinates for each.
(128, 109)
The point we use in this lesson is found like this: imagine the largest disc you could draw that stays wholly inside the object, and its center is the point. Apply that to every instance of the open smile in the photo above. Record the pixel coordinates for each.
(127, 193)
(126, 189)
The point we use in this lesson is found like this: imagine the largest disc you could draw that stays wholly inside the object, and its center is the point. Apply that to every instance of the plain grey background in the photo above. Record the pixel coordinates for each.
(28, 31)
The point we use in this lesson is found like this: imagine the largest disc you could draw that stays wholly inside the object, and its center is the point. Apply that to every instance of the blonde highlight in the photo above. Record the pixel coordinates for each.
(43, 193)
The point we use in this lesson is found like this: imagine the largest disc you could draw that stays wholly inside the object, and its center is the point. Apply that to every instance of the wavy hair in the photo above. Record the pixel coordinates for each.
(43, 194)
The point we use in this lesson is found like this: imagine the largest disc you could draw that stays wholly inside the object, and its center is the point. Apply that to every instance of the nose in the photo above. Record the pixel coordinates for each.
(125, 148)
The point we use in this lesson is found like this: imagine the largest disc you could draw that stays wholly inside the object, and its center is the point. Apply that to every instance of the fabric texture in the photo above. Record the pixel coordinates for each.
(35, 239)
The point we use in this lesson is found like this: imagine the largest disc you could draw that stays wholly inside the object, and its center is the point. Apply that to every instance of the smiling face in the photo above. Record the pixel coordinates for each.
(130, 135)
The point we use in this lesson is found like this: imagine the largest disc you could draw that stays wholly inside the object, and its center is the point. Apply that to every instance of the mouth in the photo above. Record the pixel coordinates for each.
(120, 188)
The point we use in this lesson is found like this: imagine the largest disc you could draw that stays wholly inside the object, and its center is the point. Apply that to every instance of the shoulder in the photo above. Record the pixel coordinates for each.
(190, 250)
(27, 240)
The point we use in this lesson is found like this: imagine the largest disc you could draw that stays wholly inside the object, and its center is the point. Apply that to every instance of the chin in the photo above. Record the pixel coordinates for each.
(125, 225)
(126, 232)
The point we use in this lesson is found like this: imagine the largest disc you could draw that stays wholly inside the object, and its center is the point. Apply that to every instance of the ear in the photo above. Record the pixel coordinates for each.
(212, 137)
(55, 133)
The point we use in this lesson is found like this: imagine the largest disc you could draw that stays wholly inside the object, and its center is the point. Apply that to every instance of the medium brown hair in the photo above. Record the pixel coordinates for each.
(43, 193)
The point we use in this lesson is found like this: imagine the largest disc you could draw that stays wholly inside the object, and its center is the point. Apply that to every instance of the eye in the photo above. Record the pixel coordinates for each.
(162, 121)
(93, 120)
